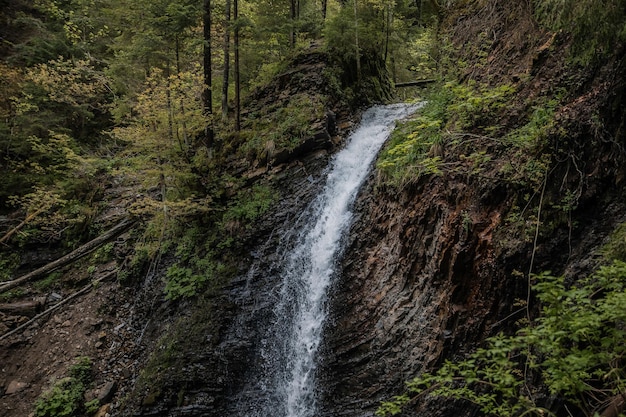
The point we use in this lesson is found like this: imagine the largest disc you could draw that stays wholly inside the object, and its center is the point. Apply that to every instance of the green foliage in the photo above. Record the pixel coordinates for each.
(421, 56)
(197, 253)
(575, 346)
(283, 126)
(475, 104)
(408, 155)
(596, 26)
(416, 147)
(66, 398)
(249, 205)
(9, 262)
(182, 282)
(12, 294)
(616, 247)
(103, 254)
(536, 131)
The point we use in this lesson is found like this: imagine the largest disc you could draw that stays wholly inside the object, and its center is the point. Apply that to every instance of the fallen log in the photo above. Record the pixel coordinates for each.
(417, 83)
(84, 290)
(86, 249)
(24, 308)
(17, 228)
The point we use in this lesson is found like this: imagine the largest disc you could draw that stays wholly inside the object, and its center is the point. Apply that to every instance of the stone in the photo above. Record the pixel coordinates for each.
(16, 386)
(106, 392)
(103, 411)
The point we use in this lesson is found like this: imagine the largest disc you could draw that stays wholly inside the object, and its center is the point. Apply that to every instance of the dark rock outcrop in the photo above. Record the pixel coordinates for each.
(435, 267)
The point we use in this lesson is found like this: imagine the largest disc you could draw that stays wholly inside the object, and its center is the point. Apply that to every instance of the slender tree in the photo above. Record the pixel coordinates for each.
(207, 95)
(226, 60)
(292, 16)
(356, 43)
(237, 71)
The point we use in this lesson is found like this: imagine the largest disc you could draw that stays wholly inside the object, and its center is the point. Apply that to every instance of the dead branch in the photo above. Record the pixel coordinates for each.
(70, 257)
(417, 83)
(17, 228)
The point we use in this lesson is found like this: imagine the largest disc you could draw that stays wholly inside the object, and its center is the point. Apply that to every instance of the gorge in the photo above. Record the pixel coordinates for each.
(313, 262)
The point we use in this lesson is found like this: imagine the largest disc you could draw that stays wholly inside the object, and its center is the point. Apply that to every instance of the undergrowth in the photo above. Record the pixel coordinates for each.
(452, 112)
(66, 398)
(283, 126)
(597, 27)
(575, 347)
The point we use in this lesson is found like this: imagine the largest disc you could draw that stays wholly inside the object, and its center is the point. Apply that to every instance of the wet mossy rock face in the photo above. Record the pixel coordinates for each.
(438, 263)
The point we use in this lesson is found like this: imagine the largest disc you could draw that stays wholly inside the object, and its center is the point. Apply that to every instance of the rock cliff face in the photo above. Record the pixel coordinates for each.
(421, 281)
(434, 268)
(427, 276)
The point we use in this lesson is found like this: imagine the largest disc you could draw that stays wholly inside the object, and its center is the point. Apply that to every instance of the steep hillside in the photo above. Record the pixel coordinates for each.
(440, 258)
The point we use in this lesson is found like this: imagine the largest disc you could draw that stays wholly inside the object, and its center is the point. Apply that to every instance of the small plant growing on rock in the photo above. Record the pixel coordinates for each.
(66, 398)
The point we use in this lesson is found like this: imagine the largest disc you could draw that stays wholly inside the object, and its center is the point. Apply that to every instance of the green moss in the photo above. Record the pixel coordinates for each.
(615, 249)
(49, 281)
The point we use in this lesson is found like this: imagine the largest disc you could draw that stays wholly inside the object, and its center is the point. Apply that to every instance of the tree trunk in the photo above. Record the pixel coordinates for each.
(226, 60)
(168, 104)
(324, 7)
(182, 105)
(207, 95)
(356, 44)
(387, 31)
(237, 80)
(292, 16)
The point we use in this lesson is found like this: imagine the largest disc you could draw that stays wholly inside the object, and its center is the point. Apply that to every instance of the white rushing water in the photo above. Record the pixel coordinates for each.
(291, 348)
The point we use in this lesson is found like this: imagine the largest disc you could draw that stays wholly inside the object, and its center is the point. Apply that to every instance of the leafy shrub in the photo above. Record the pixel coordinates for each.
(283, 126)
(183, 282)
(537, 129)
(415, 148)
(576, 346)
(9, 262)
(596, 26)
(475, 104)
(406, 156)
(66, 398)
(250, 204)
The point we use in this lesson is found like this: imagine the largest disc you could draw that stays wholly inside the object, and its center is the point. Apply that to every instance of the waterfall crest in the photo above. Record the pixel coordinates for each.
(286, 386)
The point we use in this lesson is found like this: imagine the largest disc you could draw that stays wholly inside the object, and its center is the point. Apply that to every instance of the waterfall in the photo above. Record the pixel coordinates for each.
(286, 386)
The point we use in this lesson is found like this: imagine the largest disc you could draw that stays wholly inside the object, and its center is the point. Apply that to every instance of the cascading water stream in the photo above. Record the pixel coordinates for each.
(290, 347)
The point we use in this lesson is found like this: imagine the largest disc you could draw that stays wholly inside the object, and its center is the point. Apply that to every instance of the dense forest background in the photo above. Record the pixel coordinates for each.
(179, 118)
(153, 95)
